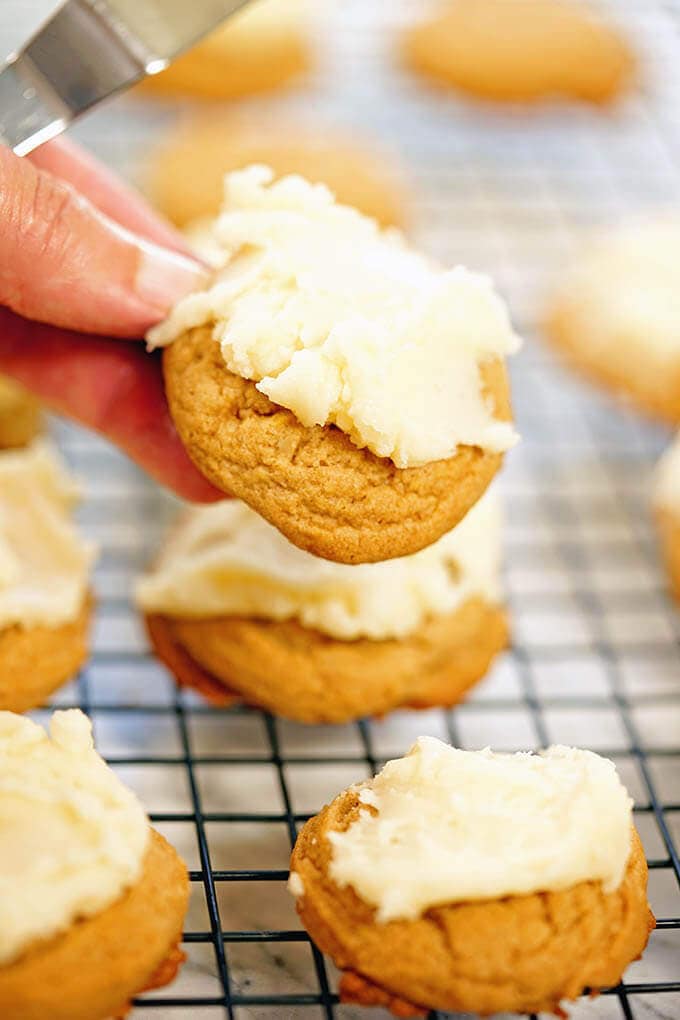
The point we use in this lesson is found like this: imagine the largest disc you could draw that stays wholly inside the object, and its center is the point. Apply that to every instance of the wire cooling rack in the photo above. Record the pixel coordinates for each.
(596, 655)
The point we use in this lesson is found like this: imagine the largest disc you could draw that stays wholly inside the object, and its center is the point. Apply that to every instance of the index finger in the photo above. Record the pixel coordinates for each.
(106, 191)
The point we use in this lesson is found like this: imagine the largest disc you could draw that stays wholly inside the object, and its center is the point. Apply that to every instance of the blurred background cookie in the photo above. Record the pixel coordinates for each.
(474, 882)
(185, 175)
(236, 611)
(520, 50)
(20, 415)
(616, 314)
(45, 601)
(262, 47)
(666, 509)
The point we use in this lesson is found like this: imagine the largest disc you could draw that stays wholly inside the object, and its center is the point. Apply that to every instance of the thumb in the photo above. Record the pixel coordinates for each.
(64, 262)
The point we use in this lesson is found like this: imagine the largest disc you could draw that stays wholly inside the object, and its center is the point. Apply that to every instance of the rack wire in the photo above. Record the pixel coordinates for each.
(596, 654)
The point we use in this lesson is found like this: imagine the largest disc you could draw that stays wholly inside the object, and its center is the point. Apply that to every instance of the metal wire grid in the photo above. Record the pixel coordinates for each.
(596, 656)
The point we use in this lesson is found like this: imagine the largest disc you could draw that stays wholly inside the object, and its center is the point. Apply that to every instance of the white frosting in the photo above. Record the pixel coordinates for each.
(44, 563)
(666, 483)
(225, 560)
(444, 826)
(72, 837)
(343, 324)
(624, 290)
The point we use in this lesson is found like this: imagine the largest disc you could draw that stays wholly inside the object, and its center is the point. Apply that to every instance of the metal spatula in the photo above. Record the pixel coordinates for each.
(90, 50)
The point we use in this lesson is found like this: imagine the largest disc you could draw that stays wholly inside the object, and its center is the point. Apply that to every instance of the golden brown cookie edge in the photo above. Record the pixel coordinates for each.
(37, 661)
(91, 971)
(301, 674)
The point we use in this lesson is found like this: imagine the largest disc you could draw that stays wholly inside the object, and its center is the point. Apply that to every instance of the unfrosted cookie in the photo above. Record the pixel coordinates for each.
(260, 48)
(186, 174)
(45, 598)
(615, 316)
(666, 508)
(238, 613)
(20, 416)
(521, 50)
(464, 881)
(348, 390)
(92, 899)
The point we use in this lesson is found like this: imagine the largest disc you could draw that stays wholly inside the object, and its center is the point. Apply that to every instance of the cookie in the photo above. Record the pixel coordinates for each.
(521, 51)
(92, 900)
(237, 612)
(338, 381)
(92, 971)
(666, 510)
(325, 494)
(35, 661)
(299, 673)
(261, 48)
(519, 953)
(615, 317)
(20, 415)
(45, 599)
(186, 174)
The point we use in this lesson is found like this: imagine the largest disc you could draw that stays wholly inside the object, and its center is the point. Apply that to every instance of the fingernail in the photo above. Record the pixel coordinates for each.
(163, 277)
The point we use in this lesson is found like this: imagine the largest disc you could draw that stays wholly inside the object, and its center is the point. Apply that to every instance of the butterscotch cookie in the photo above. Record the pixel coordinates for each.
(260, 48)
(474, 882)
(238, 613)
(20, 416)
(92, 900)
(186, 174)
(45, 599)
(521, 50)
(666, 509)
(615, 317)
(348, 390)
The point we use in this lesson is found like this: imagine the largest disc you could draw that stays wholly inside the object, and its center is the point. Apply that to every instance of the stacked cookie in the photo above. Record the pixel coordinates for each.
(354, 396)
(239, 613)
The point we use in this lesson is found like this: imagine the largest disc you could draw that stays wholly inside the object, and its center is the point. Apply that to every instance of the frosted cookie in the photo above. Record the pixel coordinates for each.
(666, 506)
(476, 882)
(92, 899)
(260, 48)
(20, 417)
(348, 390)
(616, 316)
(521, 50)
(45, 601)
(186, 174)
(236, 611)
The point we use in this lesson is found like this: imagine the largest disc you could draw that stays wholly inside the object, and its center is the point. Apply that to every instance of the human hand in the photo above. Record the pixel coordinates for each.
(83, 260)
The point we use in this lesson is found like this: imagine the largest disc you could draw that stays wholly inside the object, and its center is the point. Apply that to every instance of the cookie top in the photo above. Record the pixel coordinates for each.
(443, 825)
(345, 325)
(666, 484)
(521, 50)
(622, 292)
(44, 563)
(72, 837)
(225, 560)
